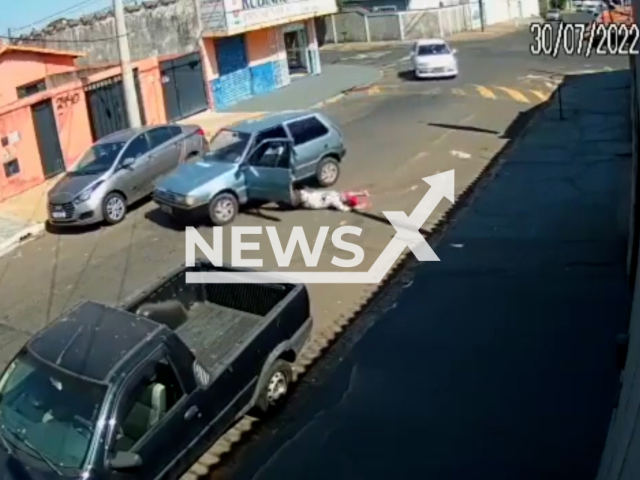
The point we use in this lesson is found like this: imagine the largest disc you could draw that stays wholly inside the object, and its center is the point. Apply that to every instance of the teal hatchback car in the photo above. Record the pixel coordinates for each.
(254, 160)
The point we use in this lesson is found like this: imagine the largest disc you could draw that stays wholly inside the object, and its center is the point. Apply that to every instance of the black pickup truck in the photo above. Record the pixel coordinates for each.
(141, 391)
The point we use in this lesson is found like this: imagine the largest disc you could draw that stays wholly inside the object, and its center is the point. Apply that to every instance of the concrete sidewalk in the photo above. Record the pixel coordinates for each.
(312, 91)
(15, 231)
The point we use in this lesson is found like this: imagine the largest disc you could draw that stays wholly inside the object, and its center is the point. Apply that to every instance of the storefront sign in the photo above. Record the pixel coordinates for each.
(251, 4)
(245, 14)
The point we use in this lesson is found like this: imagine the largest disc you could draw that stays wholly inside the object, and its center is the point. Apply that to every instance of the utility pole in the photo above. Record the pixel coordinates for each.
(130, 94)
(481, 8)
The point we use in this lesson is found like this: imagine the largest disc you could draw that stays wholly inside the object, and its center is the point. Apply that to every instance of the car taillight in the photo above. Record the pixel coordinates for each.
(200, 132)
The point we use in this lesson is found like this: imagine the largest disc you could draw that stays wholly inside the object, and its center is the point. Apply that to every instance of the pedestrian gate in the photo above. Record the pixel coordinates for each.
(107, 108)
(183, 86)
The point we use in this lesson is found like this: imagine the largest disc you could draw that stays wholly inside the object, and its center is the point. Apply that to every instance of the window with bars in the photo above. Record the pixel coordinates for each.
(31, 88)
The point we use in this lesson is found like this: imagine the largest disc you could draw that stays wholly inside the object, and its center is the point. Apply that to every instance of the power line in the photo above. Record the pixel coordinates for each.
(57, 14)
(45, 39)
(27, 38)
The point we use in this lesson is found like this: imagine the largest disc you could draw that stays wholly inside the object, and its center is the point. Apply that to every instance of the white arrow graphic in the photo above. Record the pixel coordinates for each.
(407, 235)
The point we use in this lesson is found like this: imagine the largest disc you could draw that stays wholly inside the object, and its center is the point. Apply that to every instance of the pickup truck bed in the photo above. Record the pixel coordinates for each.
(214, 330)
(213, 320)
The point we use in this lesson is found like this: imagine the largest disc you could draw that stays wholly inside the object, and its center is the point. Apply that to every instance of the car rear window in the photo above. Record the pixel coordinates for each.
(306, 130)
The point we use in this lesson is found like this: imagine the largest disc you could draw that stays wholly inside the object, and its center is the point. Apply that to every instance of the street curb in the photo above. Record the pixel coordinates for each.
(346, 92)
(318, 344)
(23, 236)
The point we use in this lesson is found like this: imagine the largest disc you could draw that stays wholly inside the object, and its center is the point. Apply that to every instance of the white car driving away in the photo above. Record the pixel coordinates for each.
(434, 58)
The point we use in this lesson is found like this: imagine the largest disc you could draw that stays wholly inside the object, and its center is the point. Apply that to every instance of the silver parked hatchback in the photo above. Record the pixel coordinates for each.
(120, 169)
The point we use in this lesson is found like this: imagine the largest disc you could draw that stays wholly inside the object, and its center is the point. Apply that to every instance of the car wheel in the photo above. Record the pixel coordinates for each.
(114, 208)
(223, 209)
(275, 387)
(328, 172)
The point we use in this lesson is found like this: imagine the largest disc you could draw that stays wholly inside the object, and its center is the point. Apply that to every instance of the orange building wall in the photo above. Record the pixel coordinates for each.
(261, 46)
(25, 150)
(73, 124)
(74, 131)
(20, 68)
(209, 58)
(151, 89)
(210, 67)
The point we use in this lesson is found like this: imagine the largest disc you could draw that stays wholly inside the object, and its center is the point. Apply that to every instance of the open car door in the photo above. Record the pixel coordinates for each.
(268, 171)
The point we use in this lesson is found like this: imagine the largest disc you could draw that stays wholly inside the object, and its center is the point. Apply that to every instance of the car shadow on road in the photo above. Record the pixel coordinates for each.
(71, 229)
(467, 128)
(169, 222)
(409, 76)
(82, 229)
(260, 213)
(165, 220)
(514, 129)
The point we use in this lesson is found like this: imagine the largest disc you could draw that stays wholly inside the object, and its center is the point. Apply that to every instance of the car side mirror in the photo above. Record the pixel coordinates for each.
(125, 461)
(128, 162)
(454, 51)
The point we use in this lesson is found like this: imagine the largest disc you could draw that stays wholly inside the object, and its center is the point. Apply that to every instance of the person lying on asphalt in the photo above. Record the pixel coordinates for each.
(329, 199)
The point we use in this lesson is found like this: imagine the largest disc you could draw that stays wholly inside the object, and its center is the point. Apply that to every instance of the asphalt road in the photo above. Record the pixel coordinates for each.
(504, 61)
(395, 135)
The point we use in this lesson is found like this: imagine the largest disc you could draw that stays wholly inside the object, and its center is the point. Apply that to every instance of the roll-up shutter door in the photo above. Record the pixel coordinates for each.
(234, 83)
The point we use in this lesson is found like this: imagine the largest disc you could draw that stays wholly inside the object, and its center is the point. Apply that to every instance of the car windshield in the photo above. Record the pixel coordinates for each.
(434, 49)
(98, 159)
(227, 146)
(48, 411)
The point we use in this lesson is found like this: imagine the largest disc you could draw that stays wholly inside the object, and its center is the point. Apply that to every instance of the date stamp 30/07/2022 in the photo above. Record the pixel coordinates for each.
(584, 39)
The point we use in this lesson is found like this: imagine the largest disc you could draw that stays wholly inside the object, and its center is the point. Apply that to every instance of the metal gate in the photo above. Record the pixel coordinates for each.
(183, 85)
(47, 138)
(107, 108)
(234, 83)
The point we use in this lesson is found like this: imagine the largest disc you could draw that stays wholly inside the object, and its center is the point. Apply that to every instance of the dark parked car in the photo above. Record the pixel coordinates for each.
(142, 391)
(120, 169)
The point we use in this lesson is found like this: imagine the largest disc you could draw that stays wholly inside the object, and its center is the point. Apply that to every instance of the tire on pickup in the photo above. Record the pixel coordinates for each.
(273, 387)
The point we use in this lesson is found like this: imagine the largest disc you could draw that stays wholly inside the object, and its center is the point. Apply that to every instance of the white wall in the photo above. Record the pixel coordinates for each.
(422, 4)
(530, 8)
(496, 11)
(428, 4)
